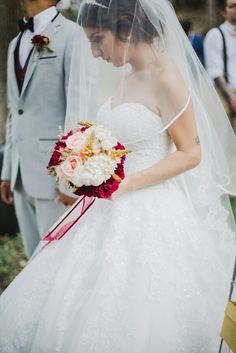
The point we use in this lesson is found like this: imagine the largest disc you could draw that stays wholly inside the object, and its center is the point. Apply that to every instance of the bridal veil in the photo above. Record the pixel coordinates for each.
(155, 22)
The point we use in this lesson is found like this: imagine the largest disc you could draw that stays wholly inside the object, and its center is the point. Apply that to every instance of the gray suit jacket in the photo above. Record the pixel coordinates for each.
(36, 114)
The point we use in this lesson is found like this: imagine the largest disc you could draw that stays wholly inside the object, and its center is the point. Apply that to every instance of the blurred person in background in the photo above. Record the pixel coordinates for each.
(37, 89)
(220, 57)
(195, 38)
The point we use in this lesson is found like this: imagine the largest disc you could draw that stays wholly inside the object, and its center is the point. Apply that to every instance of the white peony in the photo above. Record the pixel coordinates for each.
(103, 137)
(100, 167)
(81, 178)
(94, 172)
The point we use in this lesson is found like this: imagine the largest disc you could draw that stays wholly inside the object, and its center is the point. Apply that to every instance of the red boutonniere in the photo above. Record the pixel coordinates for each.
(41, 43)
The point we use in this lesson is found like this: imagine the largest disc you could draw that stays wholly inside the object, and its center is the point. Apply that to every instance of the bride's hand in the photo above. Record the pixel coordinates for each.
(124, 188)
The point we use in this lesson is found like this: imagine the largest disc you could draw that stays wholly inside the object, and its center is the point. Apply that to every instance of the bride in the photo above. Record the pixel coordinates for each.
(147, 271)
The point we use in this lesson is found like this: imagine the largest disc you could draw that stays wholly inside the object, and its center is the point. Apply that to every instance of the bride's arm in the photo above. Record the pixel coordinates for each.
(187, 156)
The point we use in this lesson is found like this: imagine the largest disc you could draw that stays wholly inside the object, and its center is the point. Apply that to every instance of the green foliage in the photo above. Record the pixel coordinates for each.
(70, 14)
(12, 259)
(233, 203)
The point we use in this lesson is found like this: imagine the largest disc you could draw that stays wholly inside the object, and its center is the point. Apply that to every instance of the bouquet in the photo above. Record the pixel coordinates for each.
(89, 161)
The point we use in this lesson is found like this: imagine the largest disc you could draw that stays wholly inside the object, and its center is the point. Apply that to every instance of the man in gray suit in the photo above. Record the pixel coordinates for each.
(37, 89)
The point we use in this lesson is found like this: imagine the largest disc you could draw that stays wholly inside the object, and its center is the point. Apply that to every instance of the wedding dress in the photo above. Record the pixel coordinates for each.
(138, 274)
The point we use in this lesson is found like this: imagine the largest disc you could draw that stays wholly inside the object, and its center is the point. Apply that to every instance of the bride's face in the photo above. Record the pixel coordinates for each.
(106, 45)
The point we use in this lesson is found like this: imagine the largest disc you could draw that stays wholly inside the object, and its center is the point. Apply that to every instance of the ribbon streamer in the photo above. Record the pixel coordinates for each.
(57, 233)
(67, 221)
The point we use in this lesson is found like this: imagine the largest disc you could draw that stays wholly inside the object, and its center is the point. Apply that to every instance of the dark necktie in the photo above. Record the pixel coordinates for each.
(26, 25)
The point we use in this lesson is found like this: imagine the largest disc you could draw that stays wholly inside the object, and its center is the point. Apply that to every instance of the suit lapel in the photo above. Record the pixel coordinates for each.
(49, 32)
(11, 72)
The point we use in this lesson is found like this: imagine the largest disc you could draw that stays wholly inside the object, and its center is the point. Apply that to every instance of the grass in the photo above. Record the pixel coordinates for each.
(12, 259)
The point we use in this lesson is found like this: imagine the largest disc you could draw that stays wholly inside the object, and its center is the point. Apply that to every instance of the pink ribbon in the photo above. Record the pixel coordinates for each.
(60, 229)
(57, 233)
(71, 217)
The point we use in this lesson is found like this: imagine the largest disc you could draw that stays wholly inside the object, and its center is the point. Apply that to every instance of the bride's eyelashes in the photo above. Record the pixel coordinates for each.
(96, 40)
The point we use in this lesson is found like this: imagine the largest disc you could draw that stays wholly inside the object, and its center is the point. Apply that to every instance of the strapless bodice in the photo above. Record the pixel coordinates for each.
(139, 129)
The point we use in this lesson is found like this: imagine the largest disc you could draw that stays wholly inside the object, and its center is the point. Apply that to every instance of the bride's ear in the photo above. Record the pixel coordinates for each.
(123, 27)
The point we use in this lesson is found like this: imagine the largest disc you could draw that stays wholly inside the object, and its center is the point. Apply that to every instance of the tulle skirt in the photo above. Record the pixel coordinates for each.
(139, 274)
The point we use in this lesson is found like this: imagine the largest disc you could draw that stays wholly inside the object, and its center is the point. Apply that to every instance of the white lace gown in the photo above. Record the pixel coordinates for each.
(139, 274)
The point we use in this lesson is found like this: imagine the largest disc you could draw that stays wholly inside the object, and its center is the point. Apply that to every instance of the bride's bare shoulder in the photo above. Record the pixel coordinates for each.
(167, 77)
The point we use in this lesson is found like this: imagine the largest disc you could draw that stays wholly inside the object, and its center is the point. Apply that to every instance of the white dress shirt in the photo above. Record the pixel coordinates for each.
(41, 21)
(213, 47)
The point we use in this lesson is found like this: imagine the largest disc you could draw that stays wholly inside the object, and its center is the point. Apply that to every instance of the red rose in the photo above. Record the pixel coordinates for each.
(65, 137)
(60, 144)
(120, 170)
(102, 191)
(119, 146)
(83, 129)
(55, 159)
(41, 43)
(40, 40)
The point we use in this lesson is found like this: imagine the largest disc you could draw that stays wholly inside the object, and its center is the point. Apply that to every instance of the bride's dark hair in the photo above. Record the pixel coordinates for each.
(122, 17)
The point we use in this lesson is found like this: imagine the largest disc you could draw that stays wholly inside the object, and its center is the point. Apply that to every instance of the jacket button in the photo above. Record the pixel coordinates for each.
(20, 111)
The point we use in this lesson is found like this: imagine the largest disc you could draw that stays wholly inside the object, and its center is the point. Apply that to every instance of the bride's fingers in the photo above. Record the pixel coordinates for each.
(58, 200)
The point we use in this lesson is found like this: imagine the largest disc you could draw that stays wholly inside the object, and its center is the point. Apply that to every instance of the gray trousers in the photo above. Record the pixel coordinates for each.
(35, 216)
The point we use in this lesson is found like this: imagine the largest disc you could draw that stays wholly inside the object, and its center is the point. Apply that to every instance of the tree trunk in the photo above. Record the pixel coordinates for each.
(212, 11)
(9, 14)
